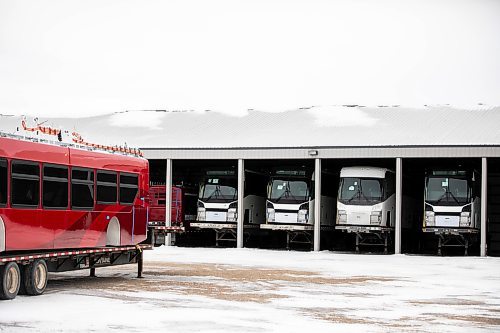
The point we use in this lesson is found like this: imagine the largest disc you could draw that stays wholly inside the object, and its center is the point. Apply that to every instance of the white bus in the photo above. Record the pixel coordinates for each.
(366, 199)
(290, 200)
(451, 201)
(218, 198)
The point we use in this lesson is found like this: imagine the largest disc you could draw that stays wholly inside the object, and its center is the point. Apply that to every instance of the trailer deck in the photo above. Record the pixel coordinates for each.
(13, 266)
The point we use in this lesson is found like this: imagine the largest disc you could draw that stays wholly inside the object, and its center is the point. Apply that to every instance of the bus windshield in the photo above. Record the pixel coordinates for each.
(218, 190)
(288, 191)
(359, 191)
(447, 191)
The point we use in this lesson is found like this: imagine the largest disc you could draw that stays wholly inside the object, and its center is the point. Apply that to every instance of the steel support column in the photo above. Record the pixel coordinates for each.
(484, 202)
(317, 203)
(241, 211)
(168, 201)
(399, 205)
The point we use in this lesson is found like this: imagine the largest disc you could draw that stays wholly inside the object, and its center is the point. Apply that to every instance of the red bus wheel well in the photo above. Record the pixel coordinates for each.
(113, 232)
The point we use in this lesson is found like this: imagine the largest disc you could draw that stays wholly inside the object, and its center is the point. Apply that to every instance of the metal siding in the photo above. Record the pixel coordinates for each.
(302, 153)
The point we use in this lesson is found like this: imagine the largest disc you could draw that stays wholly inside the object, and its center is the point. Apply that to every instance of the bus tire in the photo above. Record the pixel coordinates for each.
(35, 277)
(10, 280)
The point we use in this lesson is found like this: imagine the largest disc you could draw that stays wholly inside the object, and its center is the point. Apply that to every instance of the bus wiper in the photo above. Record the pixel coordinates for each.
(441, 198)
(355, 195)
(285, 194)
(361, 194)
(289, 192)
(216, 192)
(454, 197)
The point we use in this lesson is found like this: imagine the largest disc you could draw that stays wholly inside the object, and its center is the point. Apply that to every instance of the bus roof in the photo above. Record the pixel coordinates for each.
(59, 154)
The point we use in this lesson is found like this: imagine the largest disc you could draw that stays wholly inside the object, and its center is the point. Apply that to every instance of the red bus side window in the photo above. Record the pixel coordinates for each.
(106, 187)
(55, 186)
(82, 188)
(3, 182)
(129, 185)
(25, 184)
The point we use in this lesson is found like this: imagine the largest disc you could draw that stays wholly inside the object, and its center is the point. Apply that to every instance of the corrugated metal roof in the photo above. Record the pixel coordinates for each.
(335, 126)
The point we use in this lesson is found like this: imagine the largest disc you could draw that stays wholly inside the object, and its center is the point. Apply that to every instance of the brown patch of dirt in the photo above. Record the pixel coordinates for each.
(208, 289)
(333, 315)
(211, 281)
(447, 301)
(252, 274)
(341, 316)
(481, 320)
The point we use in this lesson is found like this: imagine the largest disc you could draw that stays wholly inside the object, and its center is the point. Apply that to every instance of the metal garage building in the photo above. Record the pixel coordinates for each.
(405, 136)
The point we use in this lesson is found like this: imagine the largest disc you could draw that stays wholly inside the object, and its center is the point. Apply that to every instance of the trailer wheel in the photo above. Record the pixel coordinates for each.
(35, 277)
(10, 280)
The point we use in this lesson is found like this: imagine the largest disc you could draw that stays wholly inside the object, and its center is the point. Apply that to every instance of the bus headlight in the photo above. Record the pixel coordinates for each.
(232, 215)
(302, 216)
(465, 219)
(270, 214)
(430, 219)
(341, 216)
(303, 213)
(376, 217)
(201, 214)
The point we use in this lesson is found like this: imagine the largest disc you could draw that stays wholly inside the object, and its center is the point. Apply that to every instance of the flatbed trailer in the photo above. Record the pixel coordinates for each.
(453, 237)
(369, 235)
(296, 233)
(158, 231)
(26, 272)
(224, 231)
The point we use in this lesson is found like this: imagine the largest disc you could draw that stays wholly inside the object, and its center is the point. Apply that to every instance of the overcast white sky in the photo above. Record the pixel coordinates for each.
(80, 58)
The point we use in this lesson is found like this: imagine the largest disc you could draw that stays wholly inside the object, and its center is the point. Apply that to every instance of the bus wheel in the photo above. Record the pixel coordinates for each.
(10, 280)
(35, 277)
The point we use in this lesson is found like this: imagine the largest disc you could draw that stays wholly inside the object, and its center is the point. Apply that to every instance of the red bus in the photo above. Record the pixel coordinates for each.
(60, 196)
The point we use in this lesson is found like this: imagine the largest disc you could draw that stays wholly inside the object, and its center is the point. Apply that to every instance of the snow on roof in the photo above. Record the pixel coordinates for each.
(333, 126)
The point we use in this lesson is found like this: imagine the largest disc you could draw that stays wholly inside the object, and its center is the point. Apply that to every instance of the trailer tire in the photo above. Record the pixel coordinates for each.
(10, 280)
(35, 277)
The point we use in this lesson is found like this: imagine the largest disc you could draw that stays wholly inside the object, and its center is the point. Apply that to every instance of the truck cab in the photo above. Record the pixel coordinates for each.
(289, 197)
(366, 198)
(218, 197)
(451, 200)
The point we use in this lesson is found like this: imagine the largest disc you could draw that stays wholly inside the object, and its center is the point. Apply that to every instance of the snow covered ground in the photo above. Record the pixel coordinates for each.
(250, 290)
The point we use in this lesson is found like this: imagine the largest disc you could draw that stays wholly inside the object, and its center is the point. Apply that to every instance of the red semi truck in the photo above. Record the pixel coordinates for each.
(67, 206)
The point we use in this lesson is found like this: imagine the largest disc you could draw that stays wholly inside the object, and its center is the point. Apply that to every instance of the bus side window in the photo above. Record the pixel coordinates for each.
(128, 188)
(106, 187)
(3, 182)
(82, 188)
(25, 184)
(55, 186)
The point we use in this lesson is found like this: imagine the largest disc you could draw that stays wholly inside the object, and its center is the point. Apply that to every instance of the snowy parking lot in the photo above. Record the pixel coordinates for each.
(250, 290)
